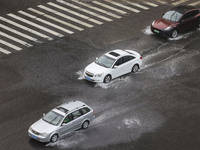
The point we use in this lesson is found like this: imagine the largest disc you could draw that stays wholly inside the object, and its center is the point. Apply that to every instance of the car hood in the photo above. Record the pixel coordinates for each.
(95, 68)
(41, 126)
(162, 24)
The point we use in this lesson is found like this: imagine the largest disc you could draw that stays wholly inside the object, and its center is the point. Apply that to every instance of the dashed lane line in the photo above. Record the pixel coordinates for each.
(25, 28)
(109, 7)
(149, 3)
(135, 4)
(195, 3)
(35, 25)
(45, 22)
(15, 39)
(66, 16)
(122, 6)
(4, 51)
(20, 33)
(55, 19)
(84, 10)
(179, 2)
(75, 13)
(10, 45)
(98, 9)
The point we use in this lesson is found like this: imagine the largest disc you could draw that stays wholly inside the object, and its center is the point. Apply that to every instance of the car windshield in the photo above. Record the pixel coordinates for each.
(53, 118)
(172, 16)
(105, 61)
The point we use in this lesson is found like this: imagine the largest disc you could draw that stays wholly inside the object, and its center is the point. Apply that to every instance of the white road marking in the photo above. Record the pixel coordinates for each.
(55, 19)
(161, 1)
(98, 9)
(45, 22)
(179, 2)
(25, 28)
(84, 10)
(150, 4)
(195, 3)
(4, 51)
(15, 39)
(65, 16)
(10, 45)
(135, 4)
(20, 33)
(109, 7)
(75, 13)
(35, 25)
(123, 6)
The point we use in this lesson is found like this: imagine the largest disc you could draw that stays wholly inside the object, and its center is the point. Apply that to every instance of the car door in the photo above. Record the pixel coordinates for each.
(117, 69)
(186, 22)
(128, 63)
(67, 125)
(194, 19)
(77, 119)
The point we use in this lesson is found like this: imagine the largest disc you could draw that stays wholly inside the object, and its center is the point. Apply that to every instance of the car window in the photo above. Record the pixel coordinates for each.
(76, 114)
(128, 58)
(53, 118)
(187, 15)
(194, 13)
(172, 16)
(68, 118)
(85, 110)
(119, 62)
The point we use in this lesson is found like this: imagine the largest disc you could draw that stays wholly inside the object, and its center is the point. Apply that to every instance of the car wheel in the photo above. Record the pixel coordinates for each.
(174, 33)
(85, 124)
(198, 25)
(54, 138)
(107, 79)
(135, 68)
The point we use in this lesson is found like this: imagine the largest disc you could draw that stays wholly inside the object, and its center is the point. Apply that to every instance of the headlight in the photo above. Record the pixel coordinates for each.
(168, 28)
(98, 75)
(30, 129)
(153, 23)
(44, 134)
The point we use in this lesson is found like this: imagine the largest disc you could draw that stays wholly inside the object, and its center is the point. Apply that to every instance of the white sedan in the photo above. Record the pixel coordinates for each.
(112, 65)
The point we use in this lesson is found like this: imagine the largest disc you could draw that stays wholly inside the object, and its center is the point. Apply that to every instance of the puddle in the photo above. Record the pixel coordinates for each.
(147, 30)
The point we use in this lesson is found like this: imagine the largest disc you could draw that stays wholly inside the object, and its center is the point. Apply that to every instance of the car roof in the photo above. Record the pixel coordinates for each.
(183, 8)
(69, 106)
(117, 53)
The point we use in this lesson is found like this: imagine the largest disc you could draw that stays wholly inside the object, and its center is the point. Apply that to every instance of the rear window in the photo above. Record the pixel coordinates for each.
(85, 110)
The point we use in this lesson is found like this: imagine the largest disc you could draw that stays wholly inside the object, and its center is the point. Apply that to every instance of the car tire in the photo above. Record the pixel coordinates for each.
(174, 33)
(107, 78)
(85, 125)
(198, 25)
(54, 138)
(135, 68)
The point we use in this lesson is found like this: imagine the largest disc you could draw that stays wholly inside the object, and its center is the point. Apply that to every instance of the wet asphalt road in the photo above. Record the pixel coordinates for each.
(156, 108)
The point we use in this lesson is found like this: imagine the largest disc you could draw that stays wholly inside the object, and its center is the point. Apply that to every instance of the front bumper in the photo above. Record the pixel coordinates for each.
(38, 137)
(93, 79)
(163, 33)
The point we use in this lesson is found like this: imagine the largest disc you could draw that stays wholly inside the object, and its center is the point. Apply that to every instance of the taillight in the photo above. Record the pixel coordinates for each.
(93, 112)
(140, 57)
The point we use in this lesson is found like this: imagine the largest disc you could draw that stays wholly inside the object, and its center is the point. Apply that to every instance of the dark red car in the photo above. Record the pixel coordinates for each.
(179, 19)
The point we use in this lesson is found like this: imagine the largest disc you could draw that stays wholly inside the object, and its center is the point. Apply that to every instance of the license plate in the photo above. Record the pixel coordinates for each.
(156, 31)
(33, 136)
(88, 78)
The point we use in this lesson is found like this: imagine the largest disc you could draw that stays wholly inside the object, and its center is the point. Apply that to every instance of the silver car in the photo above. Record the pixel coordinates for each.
(62, 120)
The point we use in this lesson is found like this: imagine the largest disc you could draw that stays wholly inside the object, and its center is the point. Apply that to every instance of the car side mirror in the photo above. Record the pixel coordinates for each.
(43, 115)
(115, 67)
(96, 58)
(63, 124)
